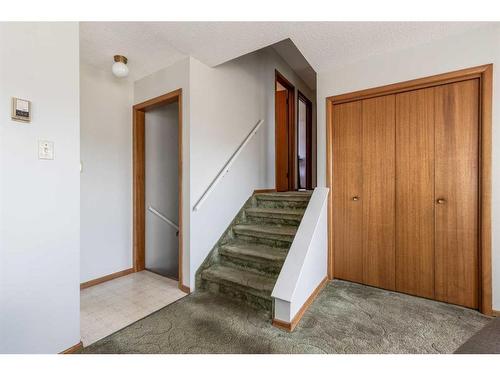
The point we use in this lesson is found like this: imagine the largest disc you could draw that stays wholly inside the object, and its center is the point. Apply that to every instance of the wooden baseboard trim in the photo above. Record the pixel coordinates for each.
(260, 191)
(495, 313)
(184, 288)
(73, 349)
(283, 325)
(103, 279)
(296, 319)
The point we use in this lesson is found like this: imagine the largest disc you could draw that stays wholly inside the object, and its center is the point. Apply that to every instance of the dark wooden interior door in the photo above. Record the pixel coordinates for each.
(457, 192)
(282, 140)
(304, 142)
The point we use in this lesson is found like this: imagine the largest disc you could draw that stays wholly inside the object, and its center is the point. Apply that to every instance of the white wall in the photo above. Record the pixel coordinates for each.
(106, 154)
(220, 107)
(225, 104)
(106, 178)
(271, 62)
(39, 199)
(471, 49)
(174, 77)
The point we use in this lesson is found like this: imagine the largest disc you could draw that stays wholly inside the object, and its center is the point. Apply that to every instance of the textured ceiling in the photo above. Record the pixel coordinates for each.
(147, 51)
(151, 46)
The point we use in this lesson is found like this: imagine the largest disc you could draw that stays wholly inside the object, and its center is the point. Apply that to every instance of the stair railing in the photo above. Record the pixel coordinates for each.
(164, 218)
(227, 166)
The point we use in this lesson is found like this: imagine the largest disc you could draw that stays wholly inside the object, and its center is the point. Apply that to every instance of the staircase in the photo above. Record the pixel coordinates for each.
(246, 261)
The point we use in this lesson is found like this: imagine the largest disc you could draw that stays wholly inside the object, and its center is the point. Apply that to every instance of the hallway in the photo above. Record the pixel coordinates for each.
(113, 305)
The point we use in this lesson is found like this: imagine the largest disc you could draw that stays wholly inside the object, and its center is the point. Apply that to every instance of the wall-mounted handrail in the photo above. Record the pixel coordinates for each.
(227, 166)
(163, 217)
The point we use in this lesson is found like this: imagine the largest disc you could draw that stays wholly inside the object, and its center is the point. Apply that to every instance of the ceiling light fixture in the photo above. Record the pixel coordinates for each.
(120, 68)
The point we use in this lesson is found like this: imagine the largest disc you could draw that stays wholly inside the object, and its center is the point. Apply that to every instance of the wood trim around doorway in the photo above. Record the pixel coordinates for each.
(485, 75)
(139, 178)
(292, 154)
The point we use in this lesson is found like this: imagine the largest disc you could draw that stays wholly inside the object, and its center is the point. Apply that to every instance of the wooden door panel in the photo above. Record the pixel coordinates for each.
(347, 183)
(457, 162)
(415, 192)
(282, 149)
(378, 196)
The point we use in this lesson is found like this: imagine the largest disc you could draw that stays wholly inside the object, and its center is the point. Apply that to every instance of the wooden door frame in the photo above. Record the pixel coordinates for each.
(139, 178)
(309, 151)
(485, 75)
(278, 77)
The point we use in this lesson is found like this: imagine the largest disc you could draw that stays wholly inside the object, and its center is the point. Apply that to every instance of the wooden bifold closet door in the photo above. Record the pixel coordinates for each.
(415, 192)
(348, 209)
(457, 193)
(406, 192)
(363, 145)
(378, 195)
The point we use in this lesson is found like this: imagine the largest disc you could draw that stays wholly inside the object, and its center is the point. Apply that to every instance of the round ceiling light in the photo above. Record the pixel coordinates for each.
(120, 68)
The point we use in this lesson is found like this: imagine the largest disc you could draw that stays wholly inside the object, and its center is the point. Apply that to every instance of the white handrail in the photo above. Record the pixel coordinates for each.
(165, 219)
(227, 166)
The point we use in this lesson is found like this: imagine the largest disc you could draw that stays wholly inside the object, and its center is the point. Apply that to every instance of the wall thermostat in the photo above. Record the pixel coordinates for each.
(21, 110)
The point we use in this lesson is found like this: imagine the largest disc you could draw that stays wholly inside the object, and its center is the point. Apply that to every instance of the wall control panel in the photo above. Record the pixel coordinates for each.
(21, 110)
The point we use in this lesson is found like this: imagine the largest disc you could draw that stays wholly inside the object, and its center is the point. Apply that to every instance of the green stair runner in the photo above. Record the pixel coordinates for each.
(246, 261)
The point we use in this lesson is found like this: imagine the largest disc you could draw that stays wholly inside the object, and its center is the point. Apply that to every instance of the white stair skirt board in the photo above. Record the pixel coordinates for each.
(305, 267)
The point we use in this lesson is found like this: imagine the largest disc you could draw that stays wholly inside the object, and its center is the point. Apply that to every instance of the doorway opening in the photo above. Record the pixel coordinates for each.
(157, 186)
(304, 142)
(162, 208)
(284, 133)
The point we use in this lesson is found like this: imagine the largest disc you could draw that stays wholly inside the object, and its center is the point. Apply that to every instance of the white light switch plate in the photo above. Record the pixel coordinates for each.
(45, 150)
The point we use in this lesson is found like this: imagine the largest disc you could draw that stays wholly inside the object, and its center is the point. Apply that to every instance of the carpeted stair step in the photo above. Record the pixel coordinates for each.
(292, 199)
(245, 285)
(262, 258)
(247, 259)
(274, 215)
(273, 235)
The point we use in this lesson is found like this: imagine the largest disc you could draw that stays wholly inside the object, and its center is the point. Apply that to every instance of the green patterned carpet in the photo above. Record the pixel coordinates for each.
(345, 318)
